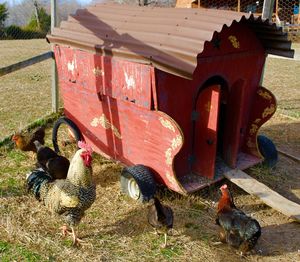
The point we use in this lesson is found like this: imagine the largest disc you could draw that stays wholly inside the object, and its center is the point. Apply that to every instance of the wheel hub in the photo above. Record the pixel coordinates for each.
(133, 189)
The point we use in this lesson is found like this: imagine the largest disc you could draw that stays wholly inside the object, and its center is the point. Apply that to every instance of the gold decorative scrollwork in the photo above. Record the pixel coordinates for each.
(166, 123)
(169, 156)
(103, 121)
(253, 129)
(235, 43)
(264, 94)
(176, 142)
(257, 120)
(250, 144)
(208, 106)
(269, 111)
(172, 180)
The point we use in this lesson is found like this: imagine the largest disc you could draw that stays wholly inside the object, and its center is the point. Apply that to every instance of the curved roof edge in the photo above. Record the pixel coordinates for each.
(167, 38)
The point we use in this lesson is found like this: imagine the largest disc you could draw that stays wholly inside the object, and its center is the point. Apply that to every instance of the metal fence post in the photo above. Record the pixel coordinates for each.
(54, 86)
(267, 11)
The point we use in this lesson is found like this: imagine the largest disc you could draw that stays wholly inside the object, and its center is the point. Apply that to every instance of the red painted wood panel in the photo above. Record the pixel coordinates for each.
(205, 141)
(123, 130)
(119, 79)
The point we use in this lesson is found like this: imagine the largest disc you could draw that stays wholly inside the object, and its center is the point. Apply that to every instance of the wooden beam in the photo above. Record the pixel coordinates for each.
(268, 196)
(239, 6)
(54, 86)
(25, 63)
(288, 155)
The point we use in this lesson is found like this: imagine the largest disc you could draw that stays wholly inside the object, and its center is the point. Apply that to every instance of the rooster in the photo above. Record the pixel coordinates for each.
(57, 166)
(24, 141)
(237, 229)
(160, 217)
(69, 197)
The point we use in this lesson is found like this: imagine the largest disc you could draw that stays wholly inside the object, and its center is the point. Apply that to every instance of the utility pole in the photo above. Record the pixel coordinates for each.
(268, 8)
(54, 86)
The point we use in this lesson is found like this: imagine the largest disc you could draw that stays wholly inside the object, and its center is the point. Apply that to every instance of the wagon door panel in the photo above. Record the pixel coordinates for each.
(205, 136)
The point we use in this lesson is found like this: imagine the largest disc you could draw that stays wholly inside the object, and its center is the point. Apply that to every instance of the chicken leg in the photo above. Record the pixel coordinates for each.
(164, 245)
(76, 240)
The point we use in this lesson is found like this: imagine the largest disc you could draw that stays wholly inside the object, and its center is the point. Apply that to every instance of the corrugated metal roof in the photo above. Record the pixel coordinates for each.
(168, 38)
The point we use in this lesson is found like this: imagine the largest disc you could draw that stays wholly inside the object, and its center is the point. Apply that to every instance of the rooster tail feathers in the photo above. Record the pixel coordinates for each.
(35, 180)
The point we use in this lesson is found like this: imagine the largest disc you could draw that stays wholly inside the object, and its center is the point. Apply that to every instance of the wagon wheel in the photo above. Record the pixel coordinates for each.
(138, 183)
(65, 135)
(268, 150)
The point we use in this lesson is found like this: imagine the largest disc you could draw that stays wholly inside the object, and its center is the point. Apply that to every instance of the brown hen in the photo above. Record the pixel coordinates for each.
(24, 141)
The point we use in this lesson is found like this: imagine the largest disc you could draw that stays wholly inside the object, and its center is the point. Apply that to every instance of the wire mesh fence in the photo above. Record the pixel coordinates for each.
(26, 93)
(285, 13)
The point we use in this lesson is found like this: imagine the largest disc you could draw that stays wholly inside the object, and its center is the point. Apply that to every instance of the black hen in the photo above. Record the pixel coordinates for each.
(57, 166)
(238, 229)
(160, 217)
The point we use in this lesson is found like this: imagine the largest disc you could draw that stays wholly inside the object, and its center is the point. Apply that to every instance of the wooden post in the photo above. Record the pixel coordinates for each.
(37, 14)
(54, 86)
(239, 6)
(199, 3)
(268, 9)
(276, 7)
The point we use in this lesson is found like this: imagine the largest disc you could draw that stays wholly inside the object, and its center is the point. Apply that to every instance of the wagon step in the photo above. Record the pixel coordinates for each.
(268, 196)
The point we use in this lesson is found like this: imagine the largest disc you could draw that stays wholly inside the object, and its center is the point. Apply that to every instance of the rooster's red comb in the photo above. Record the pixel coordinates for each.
(83, 145)
(223, 187)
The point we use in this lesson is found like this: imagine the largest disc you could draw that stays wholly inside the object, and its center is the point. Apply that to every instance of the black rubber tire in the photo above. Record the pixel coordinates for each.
(268, 150)
(144, 179)
(70, 124)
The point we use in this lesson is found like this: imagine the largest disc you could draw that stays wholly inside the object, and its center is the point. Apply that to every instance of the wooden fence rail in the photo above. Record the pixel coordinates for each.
(25, 63)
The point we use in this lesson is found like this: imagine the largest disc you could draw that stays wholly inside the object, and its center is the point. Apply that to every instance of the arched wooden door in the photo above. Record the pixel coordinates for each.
(206, 131)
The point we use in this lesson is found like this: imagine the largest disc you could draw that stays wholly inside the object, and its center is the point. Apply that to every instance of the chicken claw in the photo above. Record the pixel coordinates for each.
(65, 230)
(76, 240)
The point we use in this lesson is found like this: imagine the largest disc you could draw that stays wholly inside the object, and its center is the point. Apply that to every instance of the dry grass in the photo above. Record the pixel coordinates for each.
(115, 227)
(25, 94)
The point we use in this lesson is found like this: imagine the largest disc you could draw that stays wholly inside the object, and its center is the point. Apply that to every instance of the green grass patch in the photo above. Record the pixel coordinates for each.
(10, 252)
(16, 155)
(171, 252)
(11, 186)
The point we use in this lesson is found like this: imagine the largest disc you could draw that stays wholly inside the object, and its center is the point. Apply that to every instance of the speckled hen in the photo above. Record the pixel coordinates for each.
(69, 197)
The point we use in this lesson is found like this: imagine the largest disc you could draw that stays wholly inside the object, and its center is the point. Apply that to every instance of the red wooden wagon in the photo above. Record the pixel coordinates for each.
(174, 94)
